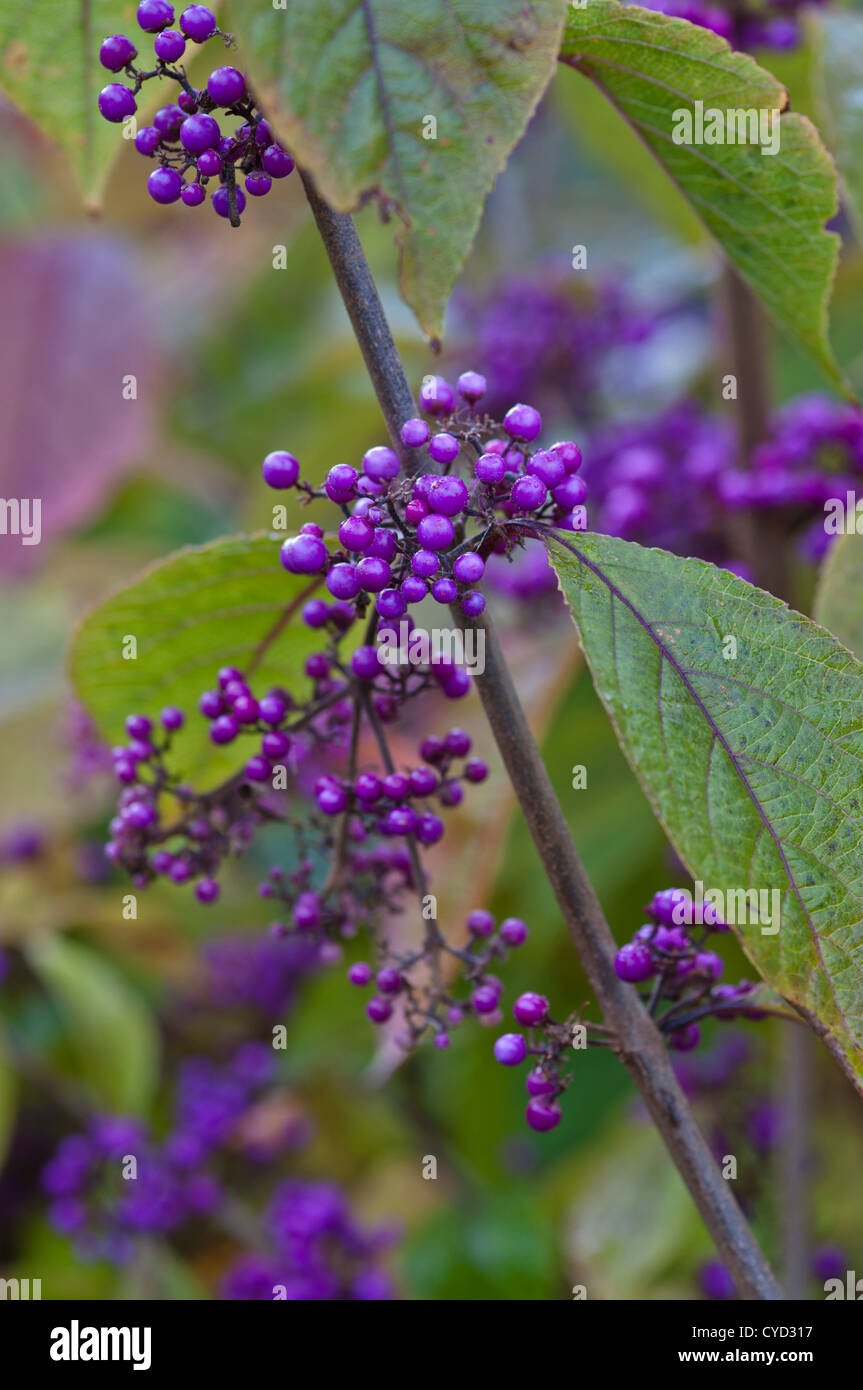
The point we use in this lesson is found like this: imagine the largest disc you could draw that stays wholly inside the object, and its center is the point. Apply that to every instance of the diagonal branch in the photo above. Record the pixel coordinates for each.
(638, 1042)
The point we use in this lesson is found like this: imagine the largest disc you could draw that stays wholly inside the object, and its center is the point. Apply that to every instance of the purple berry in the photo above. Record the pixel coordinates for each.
(446, 495)
(226, 86)
(224, 729)
(530, 1009)
(413, 432)
(257, 769)
(388, 980)
(258, 184)
(275, 744)
(522, 422)
(221, 202)
(211, 704)
(686, 1038)
(510, 1049)
(485, 999)
(709, 963)
(423, 781)
(443, 448)
(193, 195)
(634, 962)
(413, 588)
(528, 493)
(154, 15)
(116, 102)
(360, 973)
(303, 554)
(272, 709)
(373, 574)
(514, 931)
(307, 911)
(542, 1115)
(207, 890)
(379, 1009)
(391, 603)
(147, 140)
(198, 23)
(445, 590)
(396, 786)
(341, 482)
(384, 545)
(164, 185)
(471, 386)
(458, 742)
(168, 120)
(549, 466)
(570, 453)
(469, 568)
(277, 162)
(425, 563)
(480, 922)
(280, 469)
(116, 52)
(538, 1084)
(209, 164)
(139, 726)
(436, 396)
(355, 533)
(381, 463)
(332, 799)
(490, 468)
(472, 603)
(172, 718)
(571, 492)
(169, 46)
(199, 133)
(429, 829)
(435, 532)
(365, 663)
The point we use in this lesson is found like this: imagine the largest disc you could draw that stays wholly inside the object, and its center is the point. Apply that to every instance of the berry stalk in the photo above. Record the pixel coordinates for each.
(637, 1041)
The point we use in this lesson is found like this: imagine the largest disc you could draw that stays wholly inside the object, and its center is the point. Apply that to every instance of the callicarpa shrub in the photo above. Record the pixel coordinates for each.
(287, 707)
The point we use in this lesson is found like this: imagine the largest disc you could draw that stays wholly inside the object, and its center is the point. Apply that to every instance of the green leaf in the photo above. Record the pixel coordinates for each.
(752, 762)
(350, 84)
(110, 1032)
(839, 600)
(49, 67)
(838, 40)
(766, 211)
(227, 603)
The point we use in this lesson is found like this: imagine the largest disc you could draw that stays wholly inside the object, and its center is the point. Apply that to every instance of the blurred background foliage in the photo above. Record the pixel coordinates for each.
(234, 358)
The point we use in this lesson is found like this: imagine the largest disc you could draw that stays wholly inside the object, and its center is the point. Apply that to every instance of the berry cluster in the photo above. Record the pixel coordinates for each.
(185, 136)
(402, 538)
(752, 24)
(683, 972)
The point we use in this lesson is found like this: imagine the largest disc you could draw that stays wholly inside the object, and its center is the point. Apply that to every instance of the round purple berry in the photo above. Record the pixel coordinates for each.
(549, 466)
(193, 195)
(116, 52)
(445, 590)
(571, 492)
(436, 396)
(480, 922)
(388, 980)
(258, 184)
(634, 962)
(522, 422)
(226, 86)
(365, 663)
(116, 102)
(472, 603)
(154, 15)
(379, 1009)
(224, 729)
(303, 554)
(277, 162)
(429, 829)
(528, 493)
(355, 533)
(686, 1038)
(510, 1049)
(169, 46)
(360, 973)
(207, 890)
(209, 164)
(413, 432)
(490, 468)
(471, 386)
(447, 496)
(198, 23)
(443, 448)
(221, 202)
(469, 568)
(172, 718)
(280, 469)
(147, 140)
(514, 931)
(164, 185)
(530, 1009)
(374, 574)
(538, 1084)
(435, 532)
(425, 563)
(542, 1115)
(391, 603)
(381, 463)
(199, 133)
